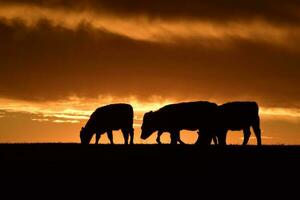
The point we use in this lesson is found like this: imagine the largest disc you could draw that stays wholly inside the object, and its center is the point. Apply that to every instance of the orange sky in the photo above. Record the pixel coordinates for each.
(60, 60)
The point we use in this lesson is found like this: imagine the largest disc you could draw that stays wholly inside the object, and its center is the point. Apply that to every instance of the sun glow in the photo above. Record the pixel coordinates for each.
(75, 110)
(290, 114)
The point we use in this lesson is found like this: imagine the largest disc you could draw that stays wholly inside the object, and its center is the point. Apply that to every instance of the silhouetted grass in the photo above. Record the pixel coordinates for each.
(149, 167)
(185, 160)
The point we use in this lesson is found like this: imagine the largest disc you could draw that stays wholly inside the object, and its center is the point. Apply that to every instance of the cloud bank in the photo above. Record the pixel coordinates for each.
(216, 50)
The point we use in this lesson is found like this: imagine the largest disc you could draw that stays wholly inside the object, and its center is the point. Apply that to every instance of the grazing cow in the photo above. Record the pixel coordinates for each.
(238, 116)
(106, 119)
(175, 117)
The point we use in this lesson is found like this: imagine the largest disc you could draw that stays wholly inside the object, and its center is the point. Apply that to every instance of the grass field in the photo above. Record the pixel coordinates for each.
(140, 160)
(232, 167)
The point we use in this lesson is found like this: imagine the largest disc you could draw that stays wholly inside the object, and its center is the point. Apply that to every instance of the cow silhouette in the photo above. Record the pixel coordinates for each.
(214, 136)
(176, 117)
(238, 116)
(106, 119)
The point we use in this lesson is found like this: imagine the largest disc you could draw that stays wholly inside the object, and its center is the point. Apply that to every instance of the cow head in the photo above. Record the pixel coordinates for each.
(148, 126)
(85, 136)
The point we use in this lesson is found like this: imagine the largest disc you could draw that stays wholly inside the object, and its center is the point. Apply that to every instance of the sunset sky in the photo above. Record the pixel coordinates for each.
(61, 59)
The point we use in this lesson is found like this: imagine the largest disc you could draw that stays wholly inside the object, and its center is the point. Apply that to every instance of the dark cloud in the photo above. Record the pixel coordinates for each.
(47, 62)
(275, 11)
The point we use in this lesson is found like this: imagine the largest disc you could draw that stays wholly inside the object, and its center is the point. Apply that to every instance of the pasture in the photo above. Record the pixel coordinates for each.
(149, 168)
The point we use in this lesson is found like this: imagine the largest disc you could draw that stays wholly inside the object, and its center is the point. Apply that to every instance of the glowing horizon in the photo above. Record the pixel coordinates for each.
(80, 109)
(77, 111)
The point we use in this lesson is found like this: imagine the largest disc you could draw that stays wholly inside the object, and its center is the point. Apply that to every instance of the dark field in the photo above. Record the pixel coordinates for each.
(249, 168)
(145, 160)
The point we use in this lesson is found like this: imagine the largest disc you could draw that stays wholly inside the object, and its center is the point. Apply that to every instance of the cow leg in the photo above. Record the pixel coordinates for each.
(174, 137)
(214, 132)
(131, 132)
(215, 139)
(177, 135)
(110, 137)
(199, 137)
(257, 131)
(179, 140)
(247, 134)
(159, 133)
(125, 135)
(207, 136)
(204, 137)
(98, 135)
(222, 137)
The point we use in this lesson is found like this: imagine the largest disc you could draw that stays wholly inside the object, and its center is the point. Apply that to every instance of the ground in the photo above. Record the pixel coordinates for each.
(252, 168)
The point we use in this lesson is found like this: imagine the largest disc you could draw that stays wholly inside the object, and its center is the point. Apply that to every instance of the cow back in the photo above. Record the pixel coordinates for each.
(113, 116)
(189, 115)
(238, 115)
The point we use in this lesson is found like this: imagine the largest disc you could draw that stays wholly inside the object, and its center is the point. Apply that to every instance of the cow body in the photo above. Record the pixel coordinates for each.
(106, 119)
(238, 116)
(182, 116)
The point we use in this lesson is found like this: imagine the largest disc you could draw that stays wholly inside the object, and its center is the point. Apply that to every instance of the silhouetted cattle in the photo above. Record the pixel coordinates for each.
(175, 117)
(106, 119)
(238, 116)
